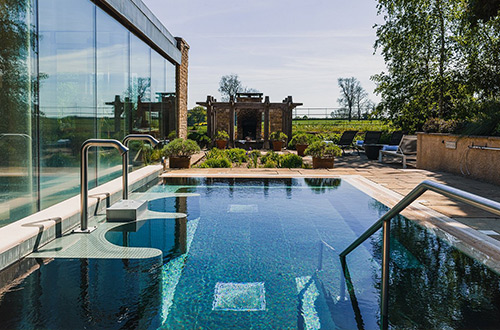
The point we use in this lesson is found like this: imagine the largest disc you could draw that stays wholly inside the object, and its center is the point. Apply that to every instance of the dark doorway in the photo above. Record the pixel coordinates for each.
(249, 128)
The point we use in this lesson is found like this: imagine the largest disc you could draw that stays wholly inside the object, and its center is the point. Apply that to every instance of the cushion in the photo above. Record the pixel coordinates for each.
(390, 148)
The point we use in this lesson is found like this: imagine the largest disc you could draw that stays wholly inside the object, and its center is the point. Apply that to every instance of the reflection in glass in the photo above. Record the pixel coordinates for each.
(113, 101)
(79, 74)
(67, 95)
(17, 97)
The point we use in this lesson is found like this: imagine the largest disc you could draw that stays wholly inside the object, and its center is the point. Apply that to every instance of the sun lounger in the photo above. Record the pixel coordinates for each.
(372, 138)
(407, 150)
(346, 140)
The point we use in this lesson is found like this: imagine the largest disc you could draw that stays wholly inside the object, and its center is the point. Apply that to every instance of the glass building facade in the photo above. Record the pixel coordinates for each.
(69, 71)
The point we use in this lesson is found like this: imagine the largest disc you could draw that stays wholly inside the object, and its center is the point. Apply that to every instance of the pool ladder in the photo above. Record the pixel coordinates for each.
(384, 221)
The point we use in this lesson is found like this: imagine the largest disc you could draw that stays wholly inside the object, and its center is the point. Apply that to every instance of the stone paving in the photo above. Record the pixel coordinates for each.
(393, 177)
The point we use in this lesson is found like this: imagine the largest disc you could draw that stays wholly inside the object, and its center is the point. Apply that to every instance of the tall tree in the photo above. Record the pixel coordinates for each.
(416, 44)
(229, 85)
(442, 58)
(352, 95)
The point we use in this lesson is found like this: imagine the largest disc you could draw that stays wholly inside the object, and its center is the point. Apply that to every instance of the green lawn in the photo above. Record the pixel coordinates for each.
(332, 126)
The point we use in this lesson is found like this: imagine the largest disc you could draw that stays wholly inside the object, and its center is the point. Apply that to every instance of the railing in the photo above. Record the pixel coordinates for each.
(384, 221)
(325, 113)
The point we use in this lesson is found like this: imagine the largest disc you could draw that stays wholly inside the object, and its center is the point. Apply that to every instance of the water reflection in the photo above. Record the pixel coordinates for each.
(97, 293)
(432, 284)
(322, 185)
(167, 235)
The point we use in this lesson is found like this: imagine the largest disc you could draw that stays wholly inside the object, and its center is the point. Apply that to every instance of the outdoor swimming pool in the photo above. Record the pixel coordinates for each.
(256, 254)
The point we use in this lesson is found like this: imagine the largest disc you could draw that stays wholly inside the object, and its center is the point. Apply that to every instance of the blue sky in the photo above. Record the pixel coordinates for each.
(279, 47)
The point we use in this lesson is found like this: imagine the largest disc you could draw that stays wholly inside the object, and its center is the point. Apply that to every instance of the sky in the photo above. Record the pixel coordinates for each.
(279, 47)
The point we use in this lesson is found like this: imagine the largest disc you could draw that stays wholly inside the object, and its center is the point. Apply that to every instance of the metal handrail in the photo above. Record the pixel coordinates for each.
(137, 137)
(84, 152)
(384, 221)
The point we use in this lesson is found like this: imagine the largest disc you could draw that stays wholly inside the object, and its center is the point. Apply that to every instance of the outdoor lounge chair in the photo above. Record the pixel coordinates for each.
(371, 138)
(346, 140)
(396, 137)
(406, 150)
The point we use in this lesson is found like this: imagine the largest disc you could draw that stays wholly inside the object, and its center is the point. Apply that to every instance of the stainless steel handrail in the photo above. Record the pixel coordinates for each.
(136, 137)
(84, 153)
(384, 221)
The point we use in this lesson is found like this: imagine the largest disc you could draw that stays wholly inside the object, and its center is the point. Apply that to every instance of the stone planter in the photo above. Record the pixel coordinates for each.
(179, 162)
(300, 149)
(462, 155)
(221, 144)
(323, 162)
(277, 145)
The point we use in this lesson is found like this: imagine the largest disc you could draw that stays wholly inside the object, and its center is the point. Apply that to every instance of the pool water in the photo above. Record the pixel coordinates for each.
(258, 254)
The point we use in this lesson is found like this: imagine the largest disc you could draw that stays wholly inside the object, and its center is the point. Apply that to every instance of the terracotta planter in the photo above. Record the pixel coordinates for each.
(301, 148)
(179, 162)
(322, 162)
(277, 145)
(221, 144)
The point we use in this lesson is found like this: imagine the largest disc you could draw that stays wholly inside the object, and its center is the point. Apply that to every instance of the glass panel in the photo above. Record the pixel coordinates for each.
(113, 101)
(140, 94)
(172, 101)
(67, 95)
(18, 156)
(158, 86)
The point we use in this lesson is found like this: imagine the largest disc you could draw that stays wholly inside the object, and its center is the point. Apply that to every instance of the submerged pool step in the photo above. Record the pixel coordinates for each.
(126, 210)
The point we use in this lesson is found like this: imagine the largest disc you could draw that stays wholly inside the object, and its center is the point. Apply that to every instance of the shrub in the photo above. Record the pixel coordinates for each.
(269, 163)
(278, 136)
(237, 155)
(334, 137)
(321, 149)
(201, 138)
(221, 135)
(172, 135)
(301, 138)
(254, 158)
(437, 125)
(215, 153)
(180, 148)
(271, 155)
(290, 161)
(216, 163)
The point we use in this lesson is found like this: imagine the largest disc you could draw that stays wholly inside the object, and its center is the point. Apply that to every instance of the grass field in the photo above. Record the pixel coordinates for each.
(338, 126)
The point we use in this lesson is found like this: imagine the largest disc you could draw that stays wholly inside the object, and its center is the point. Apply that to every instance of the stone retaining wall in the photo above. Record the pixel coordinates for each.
(451, 153)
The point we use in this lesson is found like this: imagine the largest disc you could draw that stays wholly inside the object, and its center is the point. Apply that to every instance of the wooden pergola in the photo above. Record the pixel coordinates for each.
(249, 102)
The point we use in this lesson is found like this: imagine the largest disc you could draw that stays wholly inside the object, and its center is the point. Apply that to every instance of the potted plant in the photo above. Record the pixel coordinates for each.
(278, 139)
(179, 152)
(221, 138)
(300, 141)
(323, 154)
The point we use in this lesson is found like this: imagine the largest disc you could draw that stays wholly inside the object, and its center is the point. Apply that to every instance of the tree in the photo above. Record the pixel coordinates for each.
(230, 85)
(352, 96)
(442, 59)
(197, 115)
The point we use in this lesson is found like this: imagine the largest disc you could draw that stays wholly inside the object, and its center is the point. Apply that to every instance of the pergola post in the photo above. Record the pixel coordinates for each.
(231, 122)
(209, 117)
(266, 123)
(289, 117)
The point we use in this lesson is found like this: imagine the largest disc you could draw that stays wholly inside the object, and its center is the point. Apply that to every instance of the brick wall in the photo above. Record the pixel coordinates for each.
(275, 123)
(223, 117)
(181, 88)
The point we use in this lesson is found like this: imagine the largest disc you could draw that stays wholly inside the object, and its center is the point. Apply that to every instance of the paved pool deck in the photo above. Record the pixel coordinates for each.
(391, 176)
